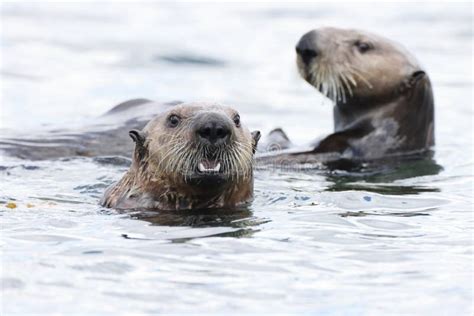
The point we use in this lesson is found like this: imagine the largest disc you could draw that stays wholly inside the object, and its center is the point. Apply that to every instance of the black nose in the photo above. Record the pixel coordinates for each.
(306, 47)
(214, 131)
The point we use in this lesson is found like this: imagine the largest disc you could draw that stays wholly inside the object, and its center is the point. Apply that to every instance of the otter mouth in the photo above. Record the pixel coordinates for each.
(209, 166)
(210, 170)
(208, 173)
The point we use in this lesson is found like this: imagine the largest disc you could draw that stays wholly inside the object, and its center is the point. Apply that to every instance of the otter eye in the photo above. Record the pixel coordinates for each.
(237, 120)
(173, 120)
(362, 46)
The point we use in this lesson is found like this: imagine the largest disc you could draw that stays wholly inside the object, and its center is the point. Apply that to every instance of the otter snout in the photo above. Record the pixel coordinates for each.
(306, 47)
(213, 128)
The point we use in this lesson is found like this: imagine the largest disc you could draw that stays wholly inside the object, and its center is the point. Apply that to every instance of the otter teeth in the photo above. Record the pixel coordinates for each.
(202, 168)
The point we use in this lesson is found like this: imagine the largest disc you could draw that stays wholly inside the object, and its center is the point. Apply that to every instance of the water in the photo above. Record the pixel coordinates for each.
(371, 242)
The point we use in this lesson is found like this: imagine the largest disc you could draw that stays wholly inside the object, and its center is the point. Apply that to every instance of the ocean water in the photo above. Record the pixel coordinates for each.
(395, 241)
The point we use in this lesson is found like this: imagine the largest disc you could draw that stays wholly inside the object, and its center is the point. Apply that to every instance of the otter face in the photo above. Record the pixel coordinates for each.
(197, 145)
(348, 64)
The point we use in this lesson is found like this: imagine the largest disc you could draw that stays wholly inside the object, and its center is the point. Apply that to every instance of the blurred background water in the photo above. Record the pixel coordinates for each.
(395, 241)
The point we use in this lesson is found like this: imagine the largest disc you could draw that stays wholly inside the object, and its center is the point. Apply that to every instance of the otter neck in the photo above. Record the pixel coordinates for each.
(186, 198)
(354, 108)
(345, 114)
(144, 190)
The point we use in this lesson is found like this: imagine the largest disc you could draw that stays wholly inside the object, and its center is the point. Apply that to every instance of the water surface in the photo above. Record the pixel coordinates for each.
(376, 241)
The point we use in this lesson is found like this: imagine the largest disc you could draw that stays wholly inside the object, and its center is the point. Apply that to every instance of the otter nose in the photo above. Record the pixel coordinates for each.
(214, 131)
(306, 54)
(306, 48)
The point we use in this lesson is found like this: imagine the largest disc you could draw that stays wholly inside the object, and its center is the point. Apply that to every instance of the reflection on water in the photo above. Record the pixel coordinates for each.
(198, 218)
(187, 59)
(384, 176)
(239, 222)
(402, 214)
(345, 185)
(384, 238)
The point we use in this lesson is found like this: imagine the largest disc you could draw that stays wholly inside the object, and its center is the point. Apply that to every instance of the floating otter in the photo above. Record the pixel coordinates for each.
(383, 98)
(383, 108)
(192, 156)
(105, 135)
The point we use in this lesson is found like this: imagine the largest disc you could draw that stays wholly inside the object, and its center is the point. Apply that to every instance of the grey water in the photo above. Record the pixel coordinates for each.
(383, 241)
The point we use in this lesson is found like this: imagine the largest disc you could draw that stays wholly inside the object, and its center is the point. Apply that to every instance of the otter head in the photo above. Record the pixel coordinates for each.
(354, 67)
(196, 153)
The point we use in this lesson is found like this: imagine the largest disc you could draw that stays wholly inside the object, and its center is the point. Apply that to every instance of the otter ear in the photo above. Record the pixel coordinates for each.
(255, 138)
(139, 138)
(412, 81)
(417, 76)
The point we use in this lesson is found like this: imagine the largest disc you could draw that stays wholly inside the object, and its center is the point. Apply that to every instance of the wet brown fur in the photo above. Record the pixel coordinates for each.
(383, 100)
(156, 181)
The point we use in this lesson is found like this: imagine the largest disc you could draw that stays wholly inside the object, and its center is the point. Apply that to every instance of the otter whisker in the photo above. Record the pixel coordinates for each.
(346, 82)
(342, 84)
(340, 95)
(351, 79)
(323, 84)
(328, 84)
(234, 164)
(333, 91)
(179, 161)
(361, 76)
(173, 152)
(243, 158)
(348, 74)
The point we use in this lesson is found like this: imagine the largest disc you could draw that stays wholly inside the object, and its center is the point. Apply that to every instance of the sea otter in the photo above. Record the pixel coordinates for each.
(383, 107)
(383, 101)
(192, 156)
